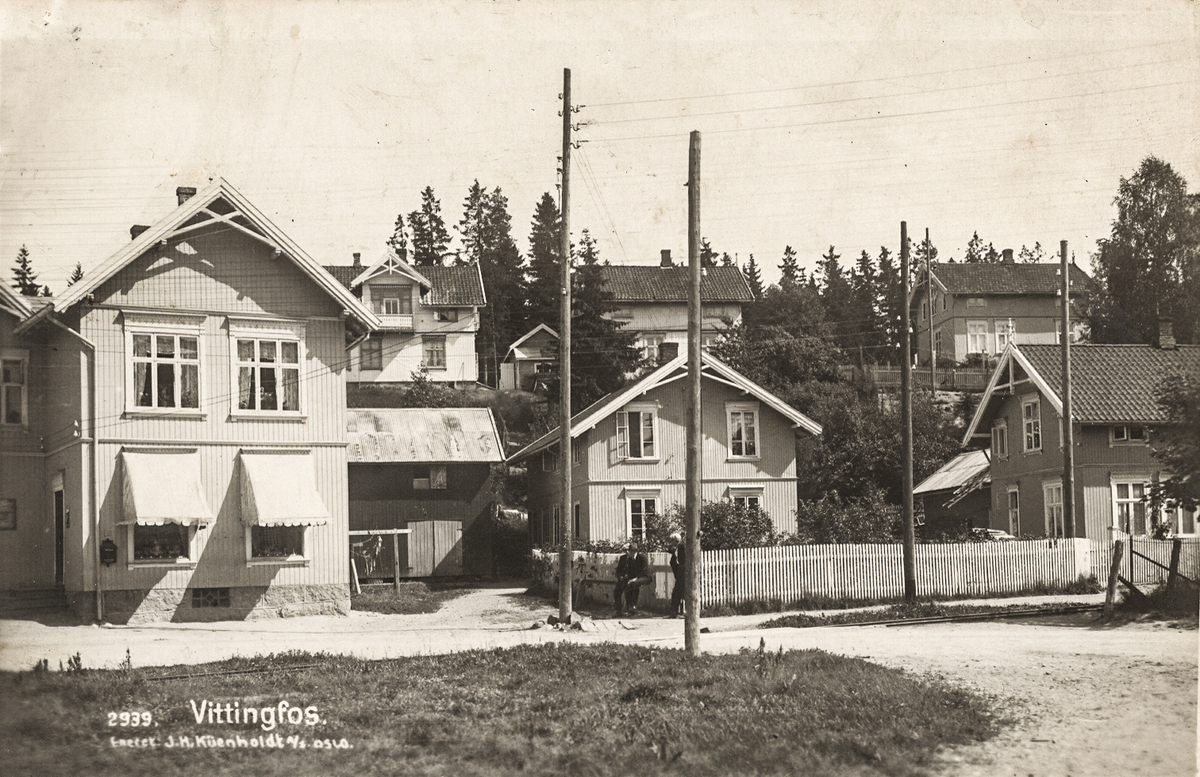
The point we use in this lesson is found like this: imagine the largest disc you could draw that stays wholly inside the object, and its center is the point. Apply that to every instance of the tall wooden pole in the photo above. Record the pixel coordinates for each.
(565, 458)
(692, 571)
(1068, 482)
(929, 299)
(910, 550)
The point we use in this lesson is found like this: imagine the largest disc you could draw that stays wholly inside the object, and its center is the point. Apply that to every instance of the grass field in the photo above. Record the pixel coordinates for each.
(550, 709)
(894, 612)
(413, 598)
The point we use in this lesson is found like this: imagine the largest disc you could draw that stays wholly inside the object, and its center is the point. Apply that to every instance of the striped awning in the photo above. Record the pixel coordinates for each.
(280, 489)
(163, 487)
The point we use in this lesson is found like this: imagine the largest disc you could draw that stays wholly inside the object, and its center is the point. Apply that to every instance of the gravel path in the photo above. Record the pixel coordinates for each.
(1082, 700)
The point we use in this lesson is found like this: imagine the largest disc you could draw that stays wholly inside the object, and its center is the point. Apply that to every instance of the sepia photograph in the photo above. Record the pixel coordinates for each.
(606, 388)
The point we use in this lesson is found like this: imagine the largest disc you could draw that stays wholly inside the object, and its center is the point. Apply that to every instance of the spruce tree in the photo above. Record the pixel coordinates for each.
(500, 264)
(429, 235)
(473, 222)
(792, 276)
(708, 257)
(976, 253)
(753, 278)
(545, 268)
(76, 275)
(398, 242)
(24, 278)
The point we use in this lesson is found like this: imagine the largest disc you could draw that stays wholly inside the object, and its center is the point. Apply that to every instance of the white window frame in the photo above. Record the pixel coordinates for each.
(641, 497)
(268, 330)
(304, 556)
(1122, 434)
(380, 303)
(1052, 510)
(1013, 507)
(623, 435)
(650, 344)
(549, 460)
(1130, 481)
(1000, 439)
(165, 325)
(1031, 424)
(748, 496)
(185, 562)
(977, 336)
(376, 346)
(1004, 334)
(1177, 521)
(426, 341)
(741, 410)
(21, 356)
(445, 315)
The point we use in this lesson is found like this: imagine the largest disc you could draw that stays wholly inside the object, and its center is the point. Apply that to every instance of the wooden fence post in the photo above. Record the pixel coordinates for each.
(396, 561)
(1113, 572)
(1173, 569)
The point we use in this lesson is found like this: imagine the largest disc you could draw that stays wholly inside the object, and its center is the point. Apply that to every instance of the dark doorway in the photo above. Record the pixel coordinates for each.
(59, 528)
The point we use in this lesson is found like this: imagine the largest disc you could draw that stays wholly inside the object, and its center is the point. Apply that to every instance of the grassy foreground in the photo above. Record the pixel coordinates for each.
(550, 709)
(894, 612)
(414, 597)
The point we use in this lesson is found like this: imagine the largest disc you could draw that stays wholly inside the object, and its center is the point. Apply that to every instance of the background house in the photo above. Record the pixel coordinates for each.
(978, 308)
(428, 318)
(1113, 403)
(428, 470)
(531, 360)
(189, 457)
(628, 454)
(652, 301)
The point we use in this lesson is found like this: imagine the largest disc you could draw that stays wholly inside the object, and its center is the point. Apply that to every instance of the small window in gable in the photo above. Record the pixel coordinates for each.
(1031, 414)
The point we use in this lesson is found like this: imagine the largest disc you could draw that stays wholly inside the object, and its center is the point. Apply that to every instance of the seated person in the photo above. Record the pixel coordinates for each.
(633, 572)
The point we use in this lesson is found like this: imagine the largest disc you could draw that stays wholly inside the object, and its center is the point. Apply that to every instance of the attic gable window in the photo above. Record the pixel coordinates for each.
(637, 428)
(1031, 415)
(391, 300)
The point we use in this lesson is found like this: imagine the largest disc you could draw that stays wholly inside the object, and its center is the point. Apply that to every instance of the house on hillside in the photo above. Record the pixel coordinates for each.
(429, 318)
(180, 451)
(628, 454)
(428, 470)
(955, 498)
(531, 360)
(1112, 399)
(979, 308)
(652, 301)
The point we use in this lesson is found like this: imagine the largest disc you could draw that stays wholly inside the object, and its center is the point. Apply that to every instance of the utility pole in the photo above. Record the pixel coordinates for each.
(910, 550)
(692, 559)
(929, 299)
(565, 458)
(1068, 428)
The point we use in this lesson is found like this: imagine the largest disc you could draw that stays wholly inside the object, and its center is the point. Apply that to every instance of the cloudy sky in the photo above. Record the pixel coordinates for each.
(822, 122)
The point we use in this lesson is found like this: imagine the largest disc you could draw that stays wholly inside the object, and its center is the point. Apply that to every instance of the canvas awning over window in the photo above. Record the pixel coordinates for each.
(280, 489)
(163, 487)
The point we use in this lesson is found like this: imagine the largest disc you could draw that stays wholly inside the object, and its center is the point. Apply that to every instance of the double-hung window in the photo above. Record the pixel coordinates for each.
(1052, 499)
(1004, 333)
(267, 368)
(1000, 440)
(977, 337)
(165, 353)
(14, 377)
(1129, 505)
(1014, 511)
(651, 343)
(743, 429)
(637, 428)
(1031, 415)
(641, 507)
(371, 353)
(391, 300)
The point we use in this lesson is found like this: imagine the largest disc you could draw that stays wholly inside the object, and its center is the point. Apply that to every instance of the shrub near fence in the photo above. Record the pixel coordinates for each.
(795, 573)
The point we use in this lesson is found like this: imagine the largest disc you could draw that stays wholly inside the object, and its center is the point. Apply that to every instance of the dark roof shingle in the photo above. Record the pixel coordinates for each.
(457, 285)
(972, 278)
(1113, 383)
(670, 284)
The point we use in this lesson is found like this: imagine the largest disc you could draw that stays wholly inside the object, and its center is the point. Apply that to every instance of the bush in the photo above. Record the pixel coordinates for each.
(834, 520)
(725, 525)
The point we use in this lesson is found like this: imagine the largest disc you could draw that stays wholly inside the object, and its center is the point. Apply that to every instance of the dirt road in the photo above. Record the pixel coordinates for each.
(1082, 700)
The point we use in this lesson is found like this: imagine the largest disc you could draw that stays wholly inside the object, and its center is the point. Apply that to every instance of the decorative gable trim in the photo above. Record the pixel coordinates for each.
(389, 264)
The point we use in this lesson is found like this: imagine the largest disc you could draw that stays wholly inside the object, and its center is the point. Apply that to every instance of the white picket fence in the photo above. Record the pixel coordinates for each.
(875, 572)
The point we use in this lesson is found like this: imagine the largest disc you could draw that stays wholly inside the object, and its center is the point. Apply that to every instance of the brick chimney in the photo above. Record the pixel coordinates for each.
(357, 261)
(1007, 256)
(185, 193)
(136, 230)
(1166, 335)
(666, 258)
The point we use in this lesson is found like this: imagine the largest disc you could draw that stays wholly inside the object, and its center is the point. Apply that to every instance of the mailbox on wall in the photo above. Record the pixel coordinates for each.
(108, 552)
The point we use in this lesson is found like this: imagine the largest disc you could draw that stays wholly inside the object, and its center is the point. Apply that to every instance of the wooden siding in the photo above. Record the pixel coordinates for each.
(403, 354)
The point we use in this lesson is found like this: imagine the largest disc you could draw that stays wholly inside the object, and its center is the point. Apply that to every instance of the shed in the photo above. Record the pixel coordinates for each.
(428, 470)
(956, 496)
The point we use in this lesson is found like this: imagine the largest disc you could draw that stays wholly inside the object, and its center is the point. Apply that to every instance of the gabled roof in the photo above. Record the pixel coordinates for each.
(959, 471)
(531, 333)
(987, 279)
(1110, 384)
(388, 264)
(459, 285)
(14, 303)
(670, 284)
(711, 368)
(419, 435)
(219, 203)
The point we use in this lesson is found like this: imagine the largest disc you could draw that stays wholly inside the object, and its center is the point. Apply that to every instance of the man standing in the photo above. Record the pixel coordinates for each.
(633, 572)
(677, 571)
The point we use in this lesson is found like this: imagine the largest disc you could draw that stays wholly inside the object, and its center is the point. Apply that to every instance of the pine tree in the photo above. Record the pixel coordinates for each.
(602, 352)
(24, 278)
(429, 235)
(473, 223)
(792, 276)
(726, 259)
(76, 275)
(891, 301)
(545, 268)
(1031, 255)
(708, 257)
(501, 265)
(398, 242)
(991, 256)
(753, 278)
(975, 250)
